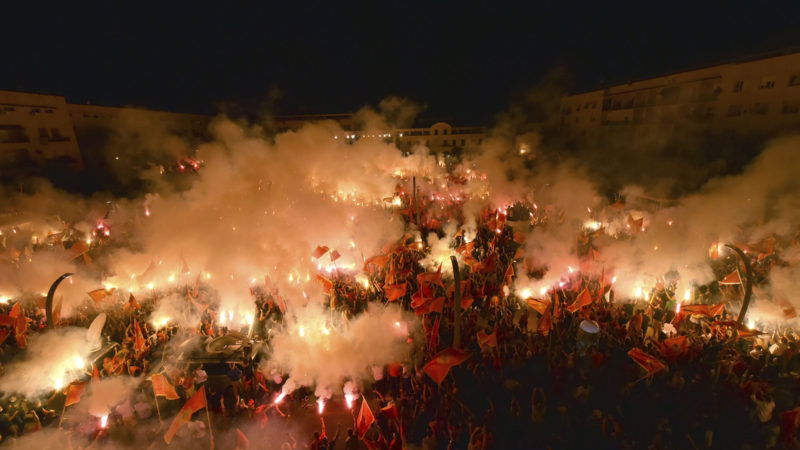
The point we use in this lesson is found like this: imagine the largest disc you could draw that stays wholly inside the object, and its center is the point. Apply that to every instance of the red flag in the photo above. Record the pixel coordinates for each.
(319, 251)
(584, 299)
(138, 337)
(509, 276)
(434, 278)
(487, 340)
(378, 260)
(646, 361)
(732, 278)
(390, 411)
(132, 303)
(196, 403)
(422, 296)
(241, 440)
(539, 305)
(365, 419)
(21, 330)
(74, 393)
(162, 387)
(77, 249)
(334, 255)
(438, 367)
(95, 374)
(327, 285)
(673, 348)
(433, 335)
(99, 294)
(546, 322)
(395, 291)
(15, 311)
(435, 305)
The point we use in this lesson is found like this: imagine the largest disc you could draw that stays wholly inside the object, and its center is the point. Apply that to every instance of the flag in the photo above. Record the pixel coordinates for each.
(584, 299)
(138, 338)
(21, 330)
(132, 303)
(435, 305)
(732, 278)
(77, 249)
(673, 348)
(509, 276)
(319, 251)
(365, 418)
(74, 393)
(433, 335)
(545, 322)
(395, 291)
(635, 224)
(99, 294)
(438, 367)
(95, 374)
(539, 305)
(196, 403)
(378, 261)
(162, 387)
(487, 340)
(327, 285)
(334, 255)
(390, 411)
(15, 311)
(241, 440)
(433, 278)
(646, 361)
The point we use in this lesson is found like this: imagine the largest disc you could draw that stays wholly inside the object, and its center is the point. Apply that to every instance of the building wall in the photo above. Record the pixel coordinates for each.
(759, 96)
(36, 129)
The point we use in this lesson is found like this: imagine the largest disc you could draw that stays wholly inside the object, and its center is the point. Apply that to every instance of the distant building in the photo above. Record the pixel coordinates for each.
(439, 137)
(758, 96)
(35, 130)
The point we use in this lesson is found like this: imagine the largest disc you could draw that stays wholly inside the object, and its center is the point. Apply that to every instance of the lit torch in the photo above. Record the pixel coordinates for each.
(320, 405)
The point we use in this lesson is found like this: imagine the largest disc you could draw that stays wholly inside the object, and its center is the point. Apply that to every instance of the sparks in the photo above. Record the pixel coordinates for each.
(320, 405)
(104, 421)
(279, 398)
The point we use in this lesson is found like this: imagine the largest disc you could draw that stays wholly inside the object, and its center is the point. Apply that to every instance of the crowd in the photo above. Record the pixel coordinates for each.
(552, 372)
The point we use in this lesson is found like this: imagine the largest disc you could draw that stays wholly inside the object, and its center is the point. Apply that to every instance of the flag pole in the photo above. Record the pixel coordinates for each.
(208, 417)
(158, 410)
(61, 419)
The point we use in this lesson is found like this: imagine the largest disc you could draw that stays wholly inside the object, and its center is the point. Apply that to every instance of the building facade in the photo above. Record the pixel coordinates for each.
(760, 96)
(35, 130)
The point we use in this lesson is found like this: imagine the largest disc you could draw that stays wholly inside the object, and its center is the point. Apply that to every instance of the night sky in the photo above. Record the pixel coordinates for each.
(465, 62)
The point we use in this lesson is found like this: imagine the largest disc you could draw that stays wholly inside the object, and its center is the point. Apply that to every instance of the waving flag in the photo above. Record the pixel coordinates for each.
(647, 362)
(196, 403)
(365, 419)
(438, 367)
(319, 251)
(162, 387)
(74, 393)
(395, 291)
(732, 278)
(584, 299)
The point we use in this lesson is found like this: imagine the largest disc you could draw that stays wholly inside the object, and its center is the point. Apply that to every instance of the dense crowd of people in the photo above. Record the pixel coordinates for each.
(551, 372)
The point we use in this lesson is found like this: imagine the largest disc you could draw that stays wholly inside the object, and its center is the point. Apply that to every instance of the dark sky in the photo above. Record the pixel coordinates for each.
(463, 61)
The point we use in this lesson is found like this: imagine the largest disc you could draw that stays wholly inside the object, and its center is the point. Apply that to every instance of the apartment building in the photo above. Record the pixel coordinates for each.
(758, 96)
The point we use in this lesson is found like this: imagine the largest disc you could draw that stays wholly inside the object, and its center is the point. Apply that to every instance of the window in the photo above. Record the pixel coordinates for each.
(12, 133)
(767, 83)
(55, 135)
(463, 142)
(444, 131)
(760, 108)
(794, 79)
(738, 86)
(435, 131)
(734, 110)
(43, 133)
(790, 107)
